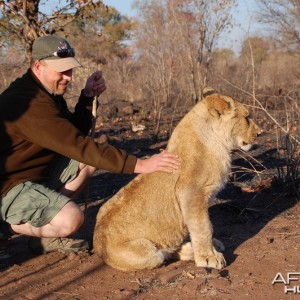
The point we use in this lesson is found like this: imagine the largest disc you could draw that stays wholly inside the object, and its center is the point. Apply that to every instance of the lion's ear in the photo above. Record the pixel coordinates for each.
(208, 91)
(219, 105)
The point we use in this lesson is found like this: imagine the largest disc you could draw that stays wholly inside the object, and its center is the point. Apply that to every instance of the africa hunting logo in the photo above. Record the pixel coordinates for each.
(288, 286)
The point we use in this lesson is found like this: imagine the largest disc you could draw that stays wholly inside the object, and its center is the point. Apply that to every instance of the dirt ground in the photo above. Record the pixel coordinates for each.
(255, 218)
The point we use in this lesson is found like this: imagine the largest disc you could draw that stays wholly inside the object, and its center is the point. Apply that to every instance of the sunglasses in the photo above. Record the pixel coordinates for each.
(62, 53)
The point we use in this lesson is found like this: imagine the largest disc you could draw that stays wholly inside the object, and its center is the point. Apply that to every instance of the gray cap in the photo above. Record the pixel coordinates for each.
(56, 51)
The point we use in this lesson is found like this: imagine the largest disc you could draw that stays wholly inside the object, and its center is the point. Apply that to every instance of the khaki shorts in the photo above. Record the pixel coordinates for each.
(36, 203)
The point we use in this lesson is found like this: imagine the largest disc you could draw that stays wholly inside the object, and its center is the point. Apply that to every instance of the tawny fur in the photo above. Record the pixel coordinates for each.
(151, 218)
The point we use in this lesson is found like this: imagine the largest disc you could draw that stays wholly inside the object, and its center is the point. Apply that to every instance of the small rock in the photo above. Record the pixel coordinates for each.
(215, 273)
(219, 283)
(124, 292)
(73, 256)
(127, 110)
(170, 276)
(192, 286)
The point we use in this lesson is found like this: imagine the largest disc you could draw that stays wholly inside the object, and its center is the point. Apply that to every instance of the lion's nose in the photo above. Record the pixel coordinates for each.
(259, 130)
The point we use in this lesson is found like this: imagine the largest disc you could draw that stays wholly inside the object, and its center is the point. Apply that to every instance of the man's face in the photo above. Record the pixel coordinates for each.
(55, 82)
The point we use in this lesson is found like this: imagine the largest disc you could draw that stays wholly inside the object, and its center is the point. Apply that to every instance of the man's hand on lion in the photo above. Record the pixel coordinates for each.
(164, 161)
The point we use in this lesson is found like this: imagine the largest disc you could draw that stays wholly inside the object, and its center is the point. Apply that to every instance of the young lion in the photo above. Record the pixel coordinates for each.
(150, 219)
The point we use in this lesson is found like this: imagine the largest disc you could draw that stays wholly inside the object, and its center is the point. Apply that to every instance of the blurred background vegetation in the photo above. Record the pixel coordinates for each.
(158, 63)
(163, 59)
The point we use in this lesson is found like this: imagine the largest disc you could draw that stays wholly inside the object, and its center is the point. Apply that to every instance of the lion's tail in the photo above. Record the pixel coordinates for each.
(97, 243)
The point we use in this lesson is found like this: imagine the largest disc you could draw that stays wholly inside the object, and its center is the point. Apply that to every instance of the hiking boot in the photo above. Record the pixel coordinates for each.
(5, 257)
(45, 245)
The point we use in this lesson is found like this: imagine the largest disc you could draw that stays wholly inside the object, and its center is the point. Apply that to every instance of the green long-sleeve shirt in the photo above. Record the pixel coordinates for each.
(35, 126)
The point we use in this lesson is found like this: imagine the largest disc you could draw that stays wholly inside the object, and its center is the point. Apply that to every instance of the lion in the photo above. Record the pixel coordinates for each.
(160, 216)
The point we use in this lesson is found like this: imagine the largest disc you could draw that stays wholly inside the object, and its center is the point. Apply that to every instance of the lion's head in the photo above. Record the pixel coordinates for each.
(230, 119)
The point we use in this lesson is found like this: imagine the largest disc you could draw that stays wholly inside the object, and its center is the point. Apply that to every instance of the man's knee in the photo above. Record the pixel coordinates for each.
(69, 219)
(72, 225)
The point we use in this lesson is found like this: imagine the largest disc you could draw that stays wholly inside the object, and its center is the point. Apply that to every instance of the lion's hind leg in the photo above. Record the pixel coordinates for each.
(135, 255)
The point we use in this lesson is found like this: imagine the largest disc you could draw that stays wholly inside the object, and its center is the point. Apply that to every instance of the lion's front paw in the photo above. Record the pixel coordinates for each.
(216, 260)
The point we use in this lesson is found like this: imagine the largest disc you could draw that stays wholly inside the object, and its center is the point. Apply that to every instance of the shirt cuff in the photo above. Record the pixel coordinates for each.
(129, 165)
(85, 99)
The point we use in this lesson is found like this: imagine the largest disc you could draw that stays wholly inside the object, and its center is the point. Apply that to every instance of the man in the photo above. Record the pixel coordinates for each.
(46, 157)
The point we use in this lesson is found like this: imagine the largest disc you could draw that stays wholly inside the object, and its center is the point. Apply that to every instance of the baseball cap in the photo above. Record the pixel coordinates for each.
(56, 51)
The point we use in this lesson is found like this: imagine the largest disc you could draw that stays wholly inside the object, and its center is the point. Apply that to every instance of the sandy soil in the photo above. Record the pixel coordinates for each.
(256, 220)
